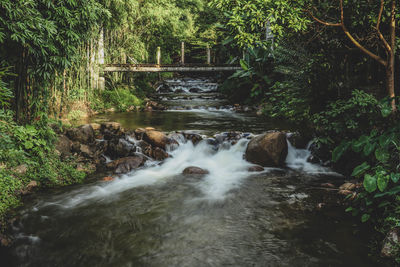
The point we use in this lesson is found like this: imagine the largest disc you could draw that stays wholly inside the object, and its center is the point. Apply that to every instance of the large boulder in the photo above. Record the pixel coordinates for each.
(83, 134)
(125, 165)
(156, 138)
(268, 150)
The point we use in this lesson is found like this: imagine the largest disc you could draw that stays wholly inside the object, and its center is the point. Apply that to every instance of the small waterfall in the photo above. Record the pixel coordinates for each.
(297, 159)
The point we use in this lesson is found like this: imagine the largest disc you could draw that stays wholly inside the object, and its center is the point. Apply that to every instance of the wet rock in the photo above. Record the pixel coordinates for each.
(297, 140)
(255, 168)
(195, 90)
(195, 170)
(156, 138)
(391, 244)
(313, 159)
(21, 169)
(125, 165)
(139, 132)
(177, 137)
(194, 138)
(119, 147)
(268, 150)
(64, 145)
(179, 91)
(159, 154)
(83, 134)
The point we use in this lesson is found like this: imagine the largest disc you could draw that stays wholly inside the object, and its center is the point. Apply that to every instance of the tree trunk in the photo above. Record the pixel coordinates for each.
(390, 82)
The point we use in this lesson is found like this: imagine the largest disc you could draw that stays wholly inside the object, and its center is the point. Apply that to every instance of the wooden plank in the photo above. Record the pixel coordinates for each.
(161, 68)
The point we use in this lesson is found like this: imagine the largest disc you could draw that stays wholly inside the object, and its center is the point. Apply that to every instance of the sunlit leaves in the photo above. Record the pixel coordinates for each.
(369, 183)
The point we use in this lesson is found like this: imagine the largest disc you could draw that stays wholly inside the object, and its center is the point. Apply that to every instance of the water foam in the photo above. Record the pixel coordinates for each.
(226, 167)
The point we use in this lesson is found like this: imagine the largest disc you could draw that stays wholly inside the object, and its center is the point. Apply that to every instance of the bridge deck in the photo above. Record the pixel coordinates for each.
(168, 68)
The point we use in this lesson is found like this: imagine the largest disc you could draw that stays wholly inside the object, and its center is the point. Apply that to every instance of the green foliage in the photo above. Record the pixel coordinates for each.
(347, 117)
(121, 98)
(32, 146)
(380, 172)
(246, 20)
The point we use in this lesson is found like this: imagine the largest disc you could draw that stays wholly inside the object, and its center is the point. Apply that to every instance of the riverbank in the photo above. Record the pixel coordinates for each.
(294, 195)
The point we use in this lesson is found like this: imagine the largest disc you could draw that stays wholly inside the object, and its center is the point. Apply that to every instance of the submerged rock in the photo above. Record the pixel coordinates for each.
(268, 150)
(195, 170)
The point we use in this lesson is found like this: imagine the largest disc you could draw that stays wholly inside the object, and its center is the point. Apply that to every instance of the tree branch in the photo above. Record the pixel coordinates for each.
(348, 34)
(386, 44)
(323, 22)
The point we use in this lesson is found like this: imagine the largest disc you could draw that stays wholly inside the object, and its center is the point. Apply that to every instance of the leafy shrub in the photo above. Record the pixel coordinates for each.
(120, 98)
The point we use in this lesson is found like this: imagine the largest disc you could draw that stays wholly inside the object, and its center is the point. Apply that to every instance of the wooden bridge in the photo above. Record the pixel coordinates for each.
(168, 68)
(180, 67)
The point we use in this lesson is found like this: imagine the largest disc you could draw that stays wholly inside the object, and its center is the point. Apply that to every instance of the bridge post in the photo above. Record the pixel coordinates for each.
(183, 53)
(158, 55)
(208, 54)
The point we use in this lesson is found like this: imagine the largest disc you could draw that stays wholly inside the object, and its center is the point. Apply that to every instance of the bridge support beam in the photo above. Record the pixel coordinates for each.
(183, 53)
(158, 55)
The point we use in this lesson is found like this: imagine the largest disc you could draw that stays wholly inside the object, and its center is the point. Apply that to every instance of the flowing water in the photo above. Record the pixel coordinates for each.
(155, 216)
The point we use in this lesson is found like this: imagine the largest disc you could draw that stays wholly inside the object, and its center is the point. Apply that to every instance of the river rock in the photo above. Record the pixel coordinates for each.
(83, 134)
(156, 138)
(268, 150)
(297, 140)
(193, 137)
(125, 165)
(159, 154)
(391, 244)
(195, 170)
(111, 129)
(63, 145)
(119, 148)
(139, 132)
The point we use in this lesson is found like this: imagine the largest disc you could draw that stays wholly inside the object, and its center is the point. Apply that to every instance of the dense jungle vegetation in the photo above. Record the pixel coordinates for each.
(330, 65)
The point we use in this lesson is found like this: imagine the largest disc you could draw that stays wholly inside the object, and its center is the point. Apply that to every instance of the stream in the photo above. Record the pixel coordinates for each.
(155, 216)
